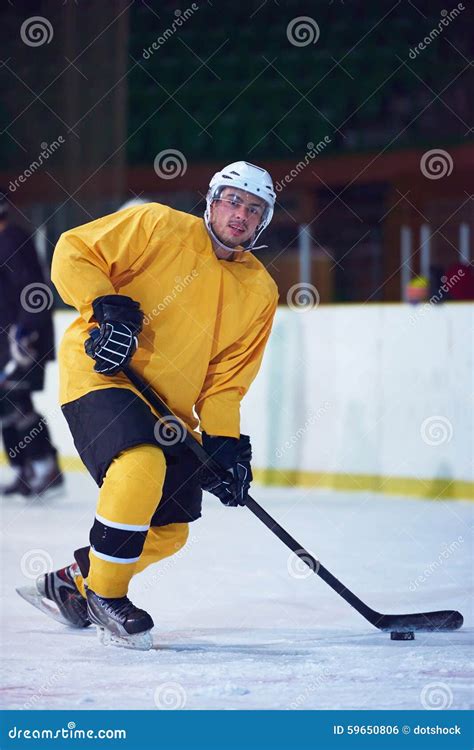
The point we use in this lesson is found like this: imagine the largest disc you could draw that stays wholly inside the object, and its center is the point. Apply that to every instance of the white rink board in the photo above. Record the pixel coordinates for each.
(346, 389)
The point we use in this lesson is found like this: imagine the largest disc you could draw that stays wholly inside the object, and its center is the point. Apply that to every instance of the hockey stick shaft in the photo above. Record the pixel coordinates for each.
(442, 620)
(195, 446)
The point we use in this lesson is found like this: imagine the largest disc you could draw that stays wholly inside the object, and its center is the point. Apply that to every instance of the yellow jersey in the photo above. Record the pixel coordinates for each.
(207, 320)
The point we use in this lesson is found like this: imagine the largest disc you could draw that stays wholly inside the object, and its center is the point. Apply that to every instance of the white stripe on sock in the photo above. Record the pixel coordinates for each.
(124, 526)
(109, 558)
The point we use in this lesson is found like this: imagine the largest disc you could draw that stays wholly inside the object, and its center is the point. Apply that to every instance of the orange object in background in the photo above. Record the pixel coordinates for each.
(417, 290)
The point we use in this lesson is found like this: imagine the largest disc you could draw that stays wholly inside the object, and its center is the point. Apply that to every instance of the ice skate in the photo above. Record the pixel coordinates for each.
(40, 478)
(57, 596)
(46, 477)
(18, 486)
(119, 622)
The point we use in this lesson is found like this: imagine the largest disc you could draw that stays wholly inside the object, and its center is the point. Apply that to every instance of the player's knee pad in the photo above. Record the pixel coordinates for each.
(132, 485)
(142, 464)
(130, 493)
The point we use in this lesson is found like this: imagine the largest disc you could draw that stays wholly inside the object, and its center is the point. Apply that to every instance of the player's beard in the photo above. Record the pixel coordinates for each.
(229, 240)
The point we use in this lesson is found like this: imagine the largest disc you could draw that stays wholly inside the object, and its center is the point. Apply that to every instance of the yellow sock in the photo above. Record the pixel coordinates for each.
(161, 542)
(128, 498)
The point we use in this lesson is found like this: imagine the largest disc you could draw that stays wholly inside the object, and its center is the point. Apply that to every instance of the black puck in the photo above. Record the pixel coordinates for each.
(407, 635)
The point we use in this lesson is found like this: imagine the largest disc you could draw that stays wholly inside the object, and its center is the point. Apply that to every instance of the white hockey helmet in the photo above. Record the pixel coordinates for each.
(248, 177)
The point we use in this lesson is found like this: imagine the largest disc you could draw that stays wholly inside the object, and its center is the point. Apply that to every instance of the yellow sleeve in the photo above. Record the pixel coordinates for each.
(97, 258)
(229, 377)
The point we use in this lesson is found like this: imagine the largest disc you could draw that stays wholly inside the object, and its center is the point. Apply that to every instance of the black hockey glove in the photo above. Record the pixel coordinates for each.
(23, 345)
(231, 485)
(115, 342)
(23, 359)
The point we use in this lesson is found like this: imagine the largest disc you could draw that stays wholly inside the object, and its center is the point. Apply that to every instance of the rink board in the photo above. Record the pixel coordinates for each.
(352, 397)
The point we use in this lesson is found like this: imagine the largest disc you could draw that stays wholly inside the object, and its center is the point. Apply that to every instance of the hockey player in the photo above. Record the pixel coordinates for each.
(185, 302)
(26, 345)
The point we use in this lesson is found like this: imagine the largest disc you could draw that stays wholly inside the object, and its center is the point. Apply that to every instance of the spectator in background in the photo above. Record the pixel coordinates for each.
(26, 345)
(460, 278)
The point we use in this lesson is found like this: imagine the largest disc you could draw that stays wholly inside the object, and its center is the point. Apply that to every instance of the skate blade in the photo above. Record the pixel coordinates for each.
(138, 641)
(49, 608)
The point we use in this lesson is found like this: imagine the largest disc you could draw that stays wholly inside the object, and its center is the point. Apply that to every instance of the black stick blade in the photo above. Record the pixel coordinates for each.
(428, 622)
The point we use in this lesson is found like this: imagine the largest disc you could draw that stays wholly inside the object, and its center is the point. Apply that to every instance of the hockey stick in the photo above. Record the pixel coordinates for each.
(420, 621)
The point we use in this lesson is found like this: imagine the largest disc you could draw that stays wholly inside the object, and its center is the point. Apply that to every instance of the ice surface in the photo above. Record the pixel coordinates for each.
(238, 625)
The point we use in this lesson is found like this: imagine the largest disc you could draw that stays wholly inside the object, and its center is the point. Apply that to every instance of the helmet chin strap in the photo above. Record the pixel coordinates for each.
(215, 239)
(239, 248)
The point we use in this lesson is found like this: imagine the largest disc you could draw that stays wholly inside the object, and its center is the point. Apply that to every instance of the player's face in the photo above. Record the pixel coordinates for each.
(236, 215)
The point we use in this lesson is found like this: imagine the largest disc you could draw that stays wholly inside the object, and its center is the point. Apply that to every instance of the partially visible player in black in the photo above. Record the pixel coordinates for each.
(26, 345)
